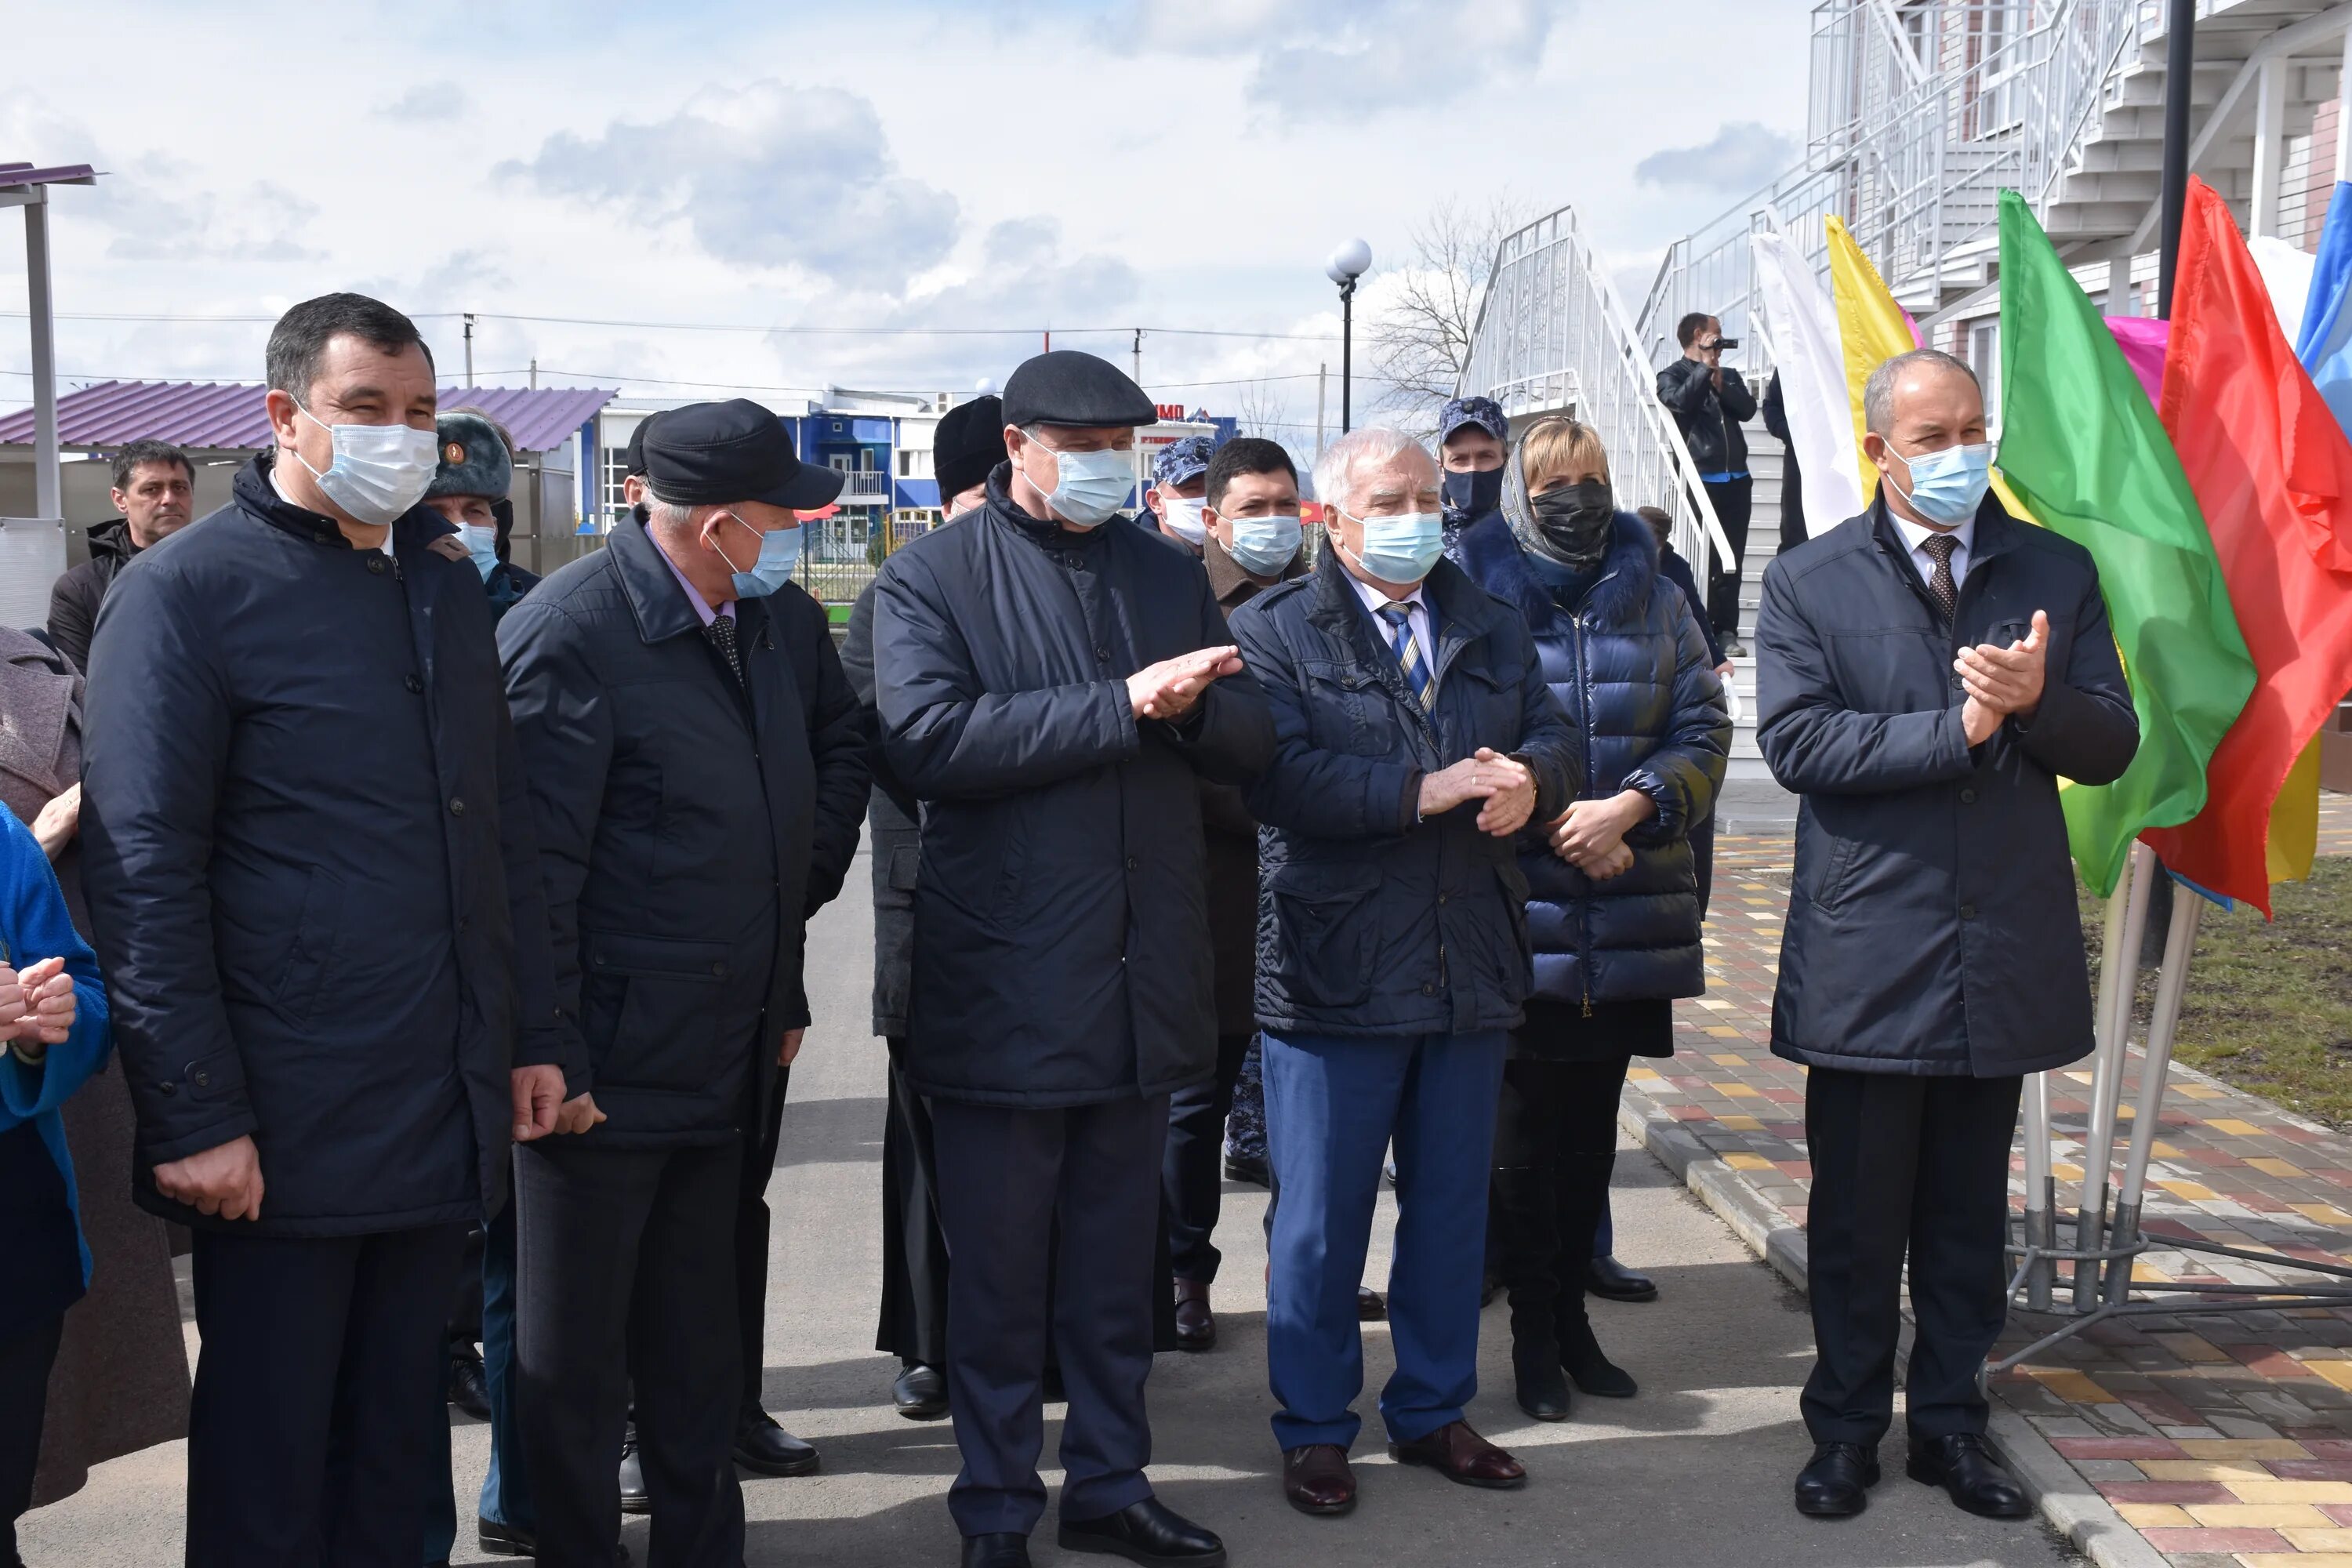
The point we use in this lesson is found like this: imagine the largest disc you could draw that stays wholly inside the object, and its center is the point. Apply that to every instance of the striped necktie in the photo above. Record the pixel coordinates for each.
(1408, 652)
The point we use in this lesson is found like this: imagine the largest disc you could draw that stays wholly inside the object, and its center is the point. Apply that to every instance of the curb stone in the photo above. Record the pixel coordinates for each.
(2067, 1503)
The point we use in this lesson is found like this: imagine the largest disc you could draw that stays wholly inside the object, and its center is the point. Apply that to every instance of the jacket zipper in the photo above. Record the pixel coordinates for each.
(1584, 698)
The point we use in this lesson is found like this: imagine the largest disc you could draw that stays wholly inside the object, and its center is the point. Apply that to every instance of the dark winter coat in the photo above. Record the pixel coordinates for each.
(505, 587)
(76, 595)
(894, 836)
(687, 825)
(1232, 834)
(1792, 476)
(1630, 667)
(1371, 921)
(1932, 926)
(1710, 419)
(307, 854)
(1061, 916)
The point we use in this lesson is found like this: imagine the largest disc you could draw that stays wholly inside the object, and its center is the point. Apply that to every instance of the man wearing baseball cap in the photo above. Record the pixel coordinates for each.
(1052, 689)
(698, 766)
(1180, 483)
(1472, 436)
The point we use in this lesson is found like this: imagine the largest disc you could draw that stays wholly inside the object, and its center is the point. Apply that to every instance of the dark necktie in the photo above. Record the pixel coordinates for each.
(721, 633)
(1940, 586)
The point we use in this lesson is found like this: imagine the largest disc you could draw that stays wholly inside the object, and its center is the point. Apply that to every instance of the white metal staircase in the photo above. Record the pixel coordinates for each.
(1922, 112)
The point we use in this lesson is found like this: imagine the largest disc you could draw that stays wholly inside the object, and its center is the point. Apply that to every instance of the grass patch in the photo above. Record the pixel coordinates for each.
(2269, 1005)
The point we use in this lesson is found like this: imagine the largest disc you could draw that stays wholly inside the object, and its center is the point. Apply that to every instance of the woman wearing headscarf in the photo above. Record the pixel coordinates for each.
(1613, 900)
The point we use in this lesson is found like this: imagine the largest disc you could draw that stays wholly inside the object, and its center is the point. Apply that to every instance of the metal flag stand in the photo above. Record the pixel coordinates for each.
(2103, 1252)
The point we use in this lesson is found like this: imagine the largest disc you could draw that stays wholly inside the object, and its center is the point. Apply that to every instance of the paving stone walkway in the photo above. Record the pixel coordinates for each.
(2223, 1440)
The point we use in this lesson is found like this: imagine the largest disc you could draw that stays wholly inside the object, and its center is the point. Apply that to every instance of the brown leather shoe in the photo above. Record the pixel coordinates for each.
(1196, 1326)
(1459, 1453)
(1317, 1479)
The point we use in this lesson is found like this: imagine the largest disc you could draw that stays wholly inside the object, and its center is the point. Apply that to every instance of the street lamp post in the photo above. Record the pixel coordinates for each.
(1351, 261)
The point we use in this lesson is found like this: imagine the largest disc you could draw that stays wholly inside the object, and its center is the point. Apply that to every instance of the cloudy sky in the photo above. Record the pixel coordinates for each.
(817, 173)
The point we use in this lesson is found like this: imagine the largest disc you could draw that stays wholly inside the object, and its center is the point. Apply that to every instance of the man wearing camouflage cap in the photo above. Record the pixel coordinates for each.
(1180, 478)
(1473, 435)
(469, 489)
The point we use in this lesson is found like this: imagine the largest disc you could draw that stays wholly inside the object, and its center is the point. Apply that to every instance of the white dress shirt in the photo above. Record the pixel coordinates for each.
(1417, 620)
(1915, 535)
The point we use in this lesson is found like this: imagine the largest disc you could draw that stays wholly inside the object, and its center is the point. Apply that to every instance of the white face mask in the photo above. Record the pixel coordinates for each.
(1184, 521)
(379, 472)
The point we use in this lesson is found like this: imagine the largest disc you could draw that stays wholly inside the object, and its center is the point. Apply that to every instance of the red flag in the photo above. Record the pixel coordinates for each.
(2273, 473)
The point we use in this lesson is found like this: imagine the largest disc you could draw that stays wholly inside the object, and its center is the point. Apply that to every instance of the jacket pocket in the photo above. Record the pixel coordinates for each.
(1326, 920)
(1840, 866)
(318, 938)
(660, 999)
(1349, 711)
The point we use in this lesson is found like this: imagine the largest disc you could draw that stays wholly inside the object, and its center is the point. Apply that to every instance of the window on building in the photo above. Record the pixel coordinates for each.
(1984, 358)
(613, 470)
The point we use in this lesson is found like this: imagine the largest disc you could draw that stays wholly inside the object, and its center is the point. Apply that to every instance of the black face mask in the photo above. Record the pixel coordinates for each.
(1469, 495)
(1575, 519)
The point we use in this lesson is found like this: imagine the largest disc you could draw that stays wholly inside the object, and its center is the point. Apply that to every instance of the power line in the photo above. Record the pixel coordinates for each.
(725, 327)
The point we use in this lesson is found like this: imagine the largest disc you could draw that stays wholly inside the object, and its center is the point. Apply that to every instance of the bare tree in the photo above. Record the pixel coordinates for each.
(1420, 342)
(1262, 411)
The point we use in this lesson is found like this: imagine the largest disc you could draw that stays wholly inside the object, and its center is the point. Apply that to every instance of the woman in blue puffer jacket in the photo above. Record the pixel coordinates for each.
(1613, 895)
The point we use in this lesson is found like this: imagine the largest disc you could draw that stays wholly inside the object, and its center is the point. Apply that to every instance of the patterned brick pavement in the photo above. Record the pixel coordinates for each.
(2223, 1440)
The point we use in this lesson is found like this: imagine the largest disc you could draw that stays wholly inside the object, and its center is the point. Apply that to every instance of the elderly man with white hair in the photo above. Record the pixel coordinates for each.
(1415, 738)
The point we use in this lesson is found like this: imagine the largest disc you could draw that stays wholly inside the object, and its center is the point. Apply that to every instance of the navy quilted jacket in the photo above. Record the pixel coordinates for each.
(1630, 665)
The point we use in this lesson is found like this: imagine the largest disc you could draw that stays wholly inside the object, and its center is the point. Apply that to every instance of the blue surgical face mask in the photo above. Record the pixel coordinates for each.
(1088, 487)
(1265, 546)
(379, 472)
(1404, 548)
(481, 543)
(1948, 487)
(780, 552)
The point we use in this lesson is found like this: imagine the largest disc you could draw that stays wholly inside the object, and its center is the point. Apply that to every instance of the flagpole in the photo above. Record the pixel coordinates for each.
(2041, 1191)
(2118, 968)
(2179, 944)
(2179, 72)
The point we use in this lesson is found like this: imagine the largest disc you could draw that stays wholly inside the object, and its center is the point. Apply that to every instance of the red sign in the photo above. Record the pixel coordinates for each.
(1173, 412)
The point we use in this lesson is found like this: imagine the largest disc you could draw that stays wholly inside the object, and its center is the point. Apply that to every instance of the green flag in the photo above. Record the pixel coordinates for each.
(2081, 446)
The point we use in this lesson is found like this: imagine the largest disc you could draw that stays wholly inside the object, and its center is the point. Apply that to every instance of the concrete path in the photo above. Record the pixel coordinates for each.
(1695, 1472)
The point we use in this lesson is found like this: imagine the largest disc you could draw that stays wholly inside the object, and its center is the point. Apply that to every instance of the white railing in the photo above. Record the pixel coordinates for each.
(1552, 336)
(864, 487)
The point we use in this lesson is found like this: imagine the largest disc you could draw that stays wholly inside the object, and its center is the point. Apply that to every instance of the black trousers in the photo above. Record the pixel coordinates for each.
(1904, 1162)
(1005, 1175)
(625, 1263)
(1733, 500)
(1191, 1172)
(25, 1357)
(314, 1431)
(1554, 1146)
(914, 1325)
(753, 1224)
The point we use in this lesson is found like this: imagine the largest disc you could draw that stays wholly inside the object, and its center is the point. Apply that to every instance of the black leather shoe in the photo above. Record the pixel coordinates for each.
(1148, 1532)
(634, 1499)
(1835, 1484)
(469, 1389)
(762, 1445)
(1248, 1168)
(1966, 1469)
(1612, 1280)
(1004, 1550)
(921, 1391)
(1196, 1325)
(504, 1540)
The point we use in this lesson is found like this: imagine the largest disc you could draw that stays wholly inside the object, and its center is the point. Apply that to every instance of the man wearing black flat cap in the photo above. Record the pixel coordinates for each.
(698, 764)
(968, 442)
(1050, 691)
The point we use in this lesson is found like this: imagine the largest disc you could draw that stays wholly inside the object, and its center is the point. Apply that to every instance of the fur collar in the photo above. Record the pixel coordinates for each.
(1493, 554)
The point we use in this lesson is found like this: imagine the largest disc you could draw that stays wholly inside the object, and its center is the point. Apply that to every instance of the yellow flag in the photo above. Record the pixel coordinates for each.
(1871, 324)
(2295, 820)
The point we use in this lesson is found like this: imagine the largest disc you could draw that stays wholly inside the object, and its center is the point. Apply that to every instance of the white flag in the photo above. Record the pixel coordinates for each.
(1811, 362)
(2287, 274)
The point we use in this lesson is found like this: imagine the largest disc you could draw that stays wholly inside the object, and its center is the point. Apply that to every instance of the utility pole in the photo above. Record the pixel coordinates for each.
(1139, 356)
(534, 373)
(469, 348)
(1322, 380)
(2180, 69)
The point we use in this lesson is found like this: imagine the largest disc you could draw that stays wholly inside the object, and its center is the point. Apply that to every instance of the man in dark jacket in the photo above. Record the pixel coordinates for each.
(1050, 691)
(690, 737)
(1414, 737)
(1929, 671)
(1251, 542)
(1174, 502)
(968, 442)
(309, 867)
(1474, 434)
(1709, 403)
(154, 490)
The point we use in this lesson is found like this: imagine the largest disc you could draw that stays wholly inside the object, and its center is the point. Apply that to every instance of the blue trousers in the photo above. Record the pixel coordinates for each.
(506, 1490)
(1332, 1106)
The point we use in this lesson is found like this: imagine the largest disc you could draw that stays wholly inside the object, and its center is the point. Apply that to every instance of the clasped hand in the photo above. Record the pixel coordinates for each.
(1591, 834)
(2002, 682)
(1170, 688)
(1503, 783)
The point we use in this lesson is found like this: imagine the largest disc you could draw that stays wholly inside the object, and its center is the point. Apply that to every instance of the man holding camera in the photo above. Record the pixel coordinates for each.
(1710, 402)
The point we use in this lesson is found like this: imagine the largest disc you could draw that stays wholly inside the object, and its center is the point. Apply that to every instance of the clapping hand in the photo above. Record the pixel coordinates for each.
(2002, 682)
(37, 1002)
(1169, 690)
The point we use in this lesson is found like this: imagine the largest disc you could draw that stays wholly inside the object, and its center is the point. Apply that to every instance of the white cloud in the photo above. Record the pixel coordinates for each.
(1742, 156)
(426, 102)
